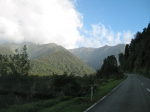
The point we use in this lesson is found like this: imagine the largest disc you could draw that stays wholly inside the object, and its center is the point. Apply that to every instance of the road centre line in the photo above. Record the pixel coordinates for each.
(148, 90)
(142, 83)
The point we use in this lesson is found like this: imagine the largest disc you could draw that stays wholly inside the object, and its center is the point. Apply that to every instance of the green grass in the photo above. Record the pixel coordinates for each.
(78, 104)
(73, 105)
(35, 106)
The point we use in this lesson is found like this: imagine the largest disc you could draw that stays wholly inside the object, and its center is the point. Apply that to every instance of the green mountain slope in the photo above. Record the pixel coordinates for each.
(59, 62)
(94, 56)
(50, 58)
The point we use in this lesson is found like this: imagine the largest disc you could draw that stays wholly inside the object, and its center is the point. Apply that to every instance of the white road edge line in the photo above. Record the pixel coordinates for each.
(148, 90)
(102, 98)
(94, 104)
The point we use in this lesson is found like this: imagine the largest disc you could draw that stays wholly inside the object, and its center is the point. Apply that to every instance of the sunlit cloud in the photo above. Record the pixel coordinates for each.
(100, 36)
(53, 21)
(40, 21)
(127, 36)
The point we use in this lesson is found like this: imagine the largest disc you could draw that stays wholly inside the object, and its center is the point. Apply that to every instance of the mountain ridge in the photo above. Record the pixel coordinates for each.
(95, 56)
(51, 58)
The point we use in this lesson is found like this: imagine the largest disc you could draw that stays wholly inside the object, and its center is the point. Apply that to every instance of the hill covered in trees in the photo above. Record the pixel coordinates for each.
(58, 62)
(137, 54)
(94, 56)
(49, 58)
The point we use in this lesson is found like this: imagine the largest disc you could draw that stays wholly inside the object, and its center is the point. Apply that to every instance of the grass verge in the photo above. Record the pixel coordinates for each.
(78, 104)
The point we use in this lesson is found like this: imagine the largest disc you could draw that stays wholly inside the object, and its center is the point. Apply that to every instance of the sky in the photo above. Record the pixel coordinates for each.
(72, 23)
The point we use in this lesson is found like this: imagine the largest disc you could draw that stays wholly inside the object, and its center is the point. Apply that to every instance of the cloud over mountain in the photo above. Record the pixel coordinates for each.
(52, 21)
(100, 35)
(40, 21)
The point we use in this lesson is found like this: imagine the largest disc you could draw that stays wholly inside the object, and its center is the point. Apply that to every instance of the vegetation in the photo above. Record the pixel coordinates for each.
(49, 58)
(137, 54)
(15, 65)
(66, 104)
(18, 86)
(109, 69)
(58, 62)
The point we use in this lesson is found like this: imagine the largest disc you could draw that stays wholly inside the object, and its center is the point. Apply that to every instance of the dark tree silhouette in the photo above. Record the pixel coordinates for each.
(109, 68)
(126, 51)
(137, 54)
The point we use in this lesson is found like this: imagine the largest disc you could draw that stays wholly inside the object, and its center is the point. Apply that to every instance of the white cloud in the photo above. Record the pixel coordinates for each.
(127, 36)
(52, 21)
(40, 21)
(100, 36)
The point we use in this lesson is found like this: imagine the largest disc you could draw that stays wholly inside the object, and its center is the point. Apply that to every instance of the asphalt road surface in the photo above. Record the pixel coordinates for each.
(133, 95)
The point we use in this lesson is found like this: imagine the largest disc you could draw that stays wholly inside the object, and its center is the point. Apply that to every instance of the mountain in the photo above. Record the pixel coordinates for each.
(59, 62)
(94, 56)
(9, 48)
(49, 58)
(5, 51)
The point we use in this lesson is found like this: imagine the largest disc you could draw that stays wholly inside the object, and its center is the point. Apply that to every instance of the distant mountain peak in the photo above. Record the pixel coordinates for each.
(106, 45)
(94, 56)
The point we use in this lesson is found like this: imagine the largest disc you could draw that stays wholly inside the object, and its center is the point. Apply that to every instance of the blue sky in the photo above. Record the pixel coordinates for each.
(72, 23)
(121, 15)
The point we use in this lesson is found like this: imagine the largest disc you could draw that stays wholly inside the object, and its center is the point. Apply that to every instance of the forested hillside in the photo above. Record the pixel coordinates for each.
(94, 56)
(137, 54)
(59, 62)
(34, 50)
(49, 58)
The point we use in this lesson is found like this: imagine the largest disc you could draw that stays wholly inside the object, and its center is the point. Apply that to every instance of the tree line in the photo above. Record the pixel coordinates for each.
(109, 69)
(137, 54)
(18, 64)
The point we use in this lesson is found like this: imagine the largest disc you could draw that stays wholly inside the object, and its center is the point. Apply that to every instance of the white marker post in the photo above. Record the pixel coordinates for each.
(91, 93)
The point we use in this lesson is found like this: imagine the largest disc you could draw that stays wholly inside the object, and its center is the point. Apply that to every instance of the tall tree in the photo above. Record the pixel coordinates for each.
(126, 51)
(137, 53)
(16, 64)
(109, 67)
(121, 58)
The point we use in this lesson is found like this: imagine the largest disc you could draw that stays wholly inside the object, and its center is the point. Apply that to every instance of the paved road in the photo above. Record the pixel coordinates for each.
(131, 96)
